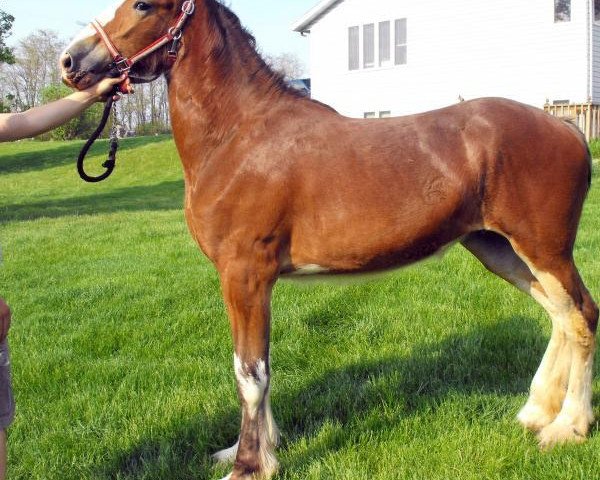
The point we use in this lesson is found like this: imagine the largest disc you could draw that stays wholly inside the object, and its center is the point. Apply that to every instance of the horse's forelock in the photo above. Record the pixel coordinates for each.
(107, 15)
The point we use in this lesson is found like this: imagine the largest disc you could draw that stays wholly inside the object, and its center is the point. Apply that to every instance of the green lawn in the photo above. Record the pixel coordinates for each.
(122, 359)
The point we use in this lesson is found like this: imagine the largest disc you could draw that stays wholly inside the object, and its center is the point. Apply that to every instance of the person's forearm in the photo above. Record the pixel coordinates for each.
(46, 117)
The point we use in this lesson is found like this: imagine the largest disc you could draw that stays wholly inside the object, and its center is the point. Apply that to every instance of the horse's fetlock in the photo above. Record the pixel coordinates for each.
(245, 470)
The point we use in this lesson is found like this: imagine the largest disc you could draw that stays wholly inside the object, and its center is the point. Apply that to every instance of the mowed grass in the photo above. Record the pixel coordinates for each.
(122, 359)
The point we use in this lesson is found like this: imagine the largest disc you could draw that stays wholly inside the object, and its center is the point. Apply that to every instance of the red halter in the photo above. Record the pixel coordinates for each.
(174, 34)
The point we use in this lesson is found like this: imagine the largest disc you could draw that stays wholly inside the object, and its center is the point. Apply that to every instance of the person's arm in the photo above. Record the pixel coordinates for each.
(35, 121)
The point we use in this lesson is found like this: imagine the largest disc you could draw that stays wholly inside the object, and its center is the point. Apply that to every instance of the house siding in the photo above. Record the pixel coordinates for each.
(595, 44)
(466, 48)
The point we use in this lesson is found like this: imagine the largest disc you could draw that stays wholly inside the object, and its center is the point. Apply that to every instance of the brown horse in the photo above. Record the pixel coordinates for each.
(279, 185)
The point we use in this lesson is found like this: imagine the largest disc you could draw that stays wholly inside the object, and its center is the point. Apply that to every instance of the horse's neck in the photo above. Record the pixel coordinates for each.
(217, 86)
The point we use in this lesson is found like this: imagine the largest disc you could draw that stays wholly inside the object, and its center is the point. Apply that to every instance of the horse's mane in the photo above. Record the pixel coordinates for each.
(237, 37)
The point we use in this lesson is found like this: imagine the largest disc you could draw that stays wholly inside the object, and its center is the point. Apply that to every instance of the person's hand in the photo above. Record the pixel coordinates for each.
(4, 319)
(101, 89)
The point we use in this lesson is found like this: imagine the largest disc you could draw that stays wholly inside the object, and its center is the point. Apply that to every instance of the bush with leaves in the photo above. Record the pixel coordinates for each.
(152, 128)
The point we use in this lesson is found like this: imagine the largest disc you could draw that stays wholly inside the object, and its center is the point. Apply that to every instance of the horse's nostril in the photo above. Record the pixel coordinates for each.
(67, 62)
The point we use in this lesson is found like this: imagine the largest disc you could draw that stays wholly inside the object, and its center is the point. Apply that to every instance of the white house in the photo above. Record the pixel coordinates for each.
(376, 58)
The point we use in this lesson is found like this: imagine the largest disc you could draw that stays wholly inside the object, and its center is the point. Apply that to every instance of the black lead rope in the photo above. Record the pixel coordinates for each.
(112, 154)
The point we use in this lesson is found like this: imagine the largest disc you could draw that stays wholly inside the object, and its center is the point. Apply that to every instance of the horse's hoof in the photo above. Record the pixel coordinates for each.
(560, 432)
(243, 474)
(233, 476)
(535, 418)
(228, 455)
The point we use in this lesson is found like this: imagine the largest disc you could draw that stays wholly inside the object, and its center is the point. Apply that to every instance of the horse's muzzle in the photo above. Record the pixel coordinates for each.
(84, 64)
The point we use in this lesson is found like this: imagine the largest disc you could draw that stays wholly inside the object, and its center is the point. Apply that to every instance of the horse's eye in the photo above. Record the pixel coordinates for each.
(142, 6)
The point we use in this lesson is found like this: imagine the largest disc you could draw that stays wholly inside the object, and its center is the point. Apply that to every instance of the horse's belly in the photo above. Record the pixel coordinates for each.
(338, 254)
(331, 273)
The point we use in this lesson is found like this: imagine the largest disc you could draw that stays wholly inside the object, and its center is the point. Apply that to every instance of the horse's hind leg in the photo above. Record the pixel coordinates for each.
(498, 256)
(576, 314)
(549, 385)
(560, 401)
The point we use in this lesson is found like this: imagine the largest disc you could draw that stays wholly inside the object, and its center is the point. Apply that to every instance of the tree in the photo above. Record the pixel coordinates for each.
(147, 111)
(36, 66)
(287, 64)
(6, 21)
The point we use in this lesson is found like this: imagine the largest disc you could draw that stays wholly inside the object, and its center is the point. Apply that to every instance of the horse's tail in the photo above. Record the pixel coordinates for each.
(589, 153)
(586, 144)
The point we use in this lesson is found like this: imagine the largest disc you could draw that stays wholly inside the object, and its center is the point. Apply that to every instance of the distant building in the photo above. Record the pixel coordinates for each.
(302, 84)
(382, 58)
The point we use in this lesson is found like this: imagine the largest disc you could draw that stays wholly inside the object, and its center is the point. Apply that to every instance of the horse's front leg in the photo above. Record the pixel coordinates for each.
(247, 287)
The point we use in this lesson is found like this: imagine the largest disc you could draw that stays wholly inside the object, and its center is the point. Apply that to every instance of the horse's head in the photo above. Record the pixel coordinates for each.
(131, 25)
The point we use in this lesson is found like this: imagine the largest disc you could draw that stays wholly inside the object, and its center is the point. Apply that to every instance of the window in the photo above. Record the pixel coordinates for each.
(401, 39)
(369, 45)
(353, 48)
(382, 44)
(562, 10)
(381, 114)
(597, 11)
(385, 43)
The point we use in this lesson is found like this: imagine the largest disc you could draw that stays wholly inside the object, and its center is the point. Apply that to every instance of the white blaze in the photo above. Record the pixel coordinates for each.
(104, 18)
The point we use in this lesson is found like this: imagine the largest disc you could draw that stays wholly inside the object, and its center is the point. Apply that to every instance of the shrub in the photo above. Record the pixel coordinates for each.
(152, 128)
(80, 127)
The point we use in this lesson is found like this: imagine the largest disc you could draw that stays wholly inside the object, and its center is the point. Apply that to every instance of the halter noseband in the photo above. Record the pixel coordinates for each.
(174, 34)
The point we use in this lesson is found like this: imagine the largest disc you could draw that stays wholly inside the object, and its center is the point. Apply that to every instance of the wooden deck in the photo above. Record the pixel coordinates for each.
(585, 115)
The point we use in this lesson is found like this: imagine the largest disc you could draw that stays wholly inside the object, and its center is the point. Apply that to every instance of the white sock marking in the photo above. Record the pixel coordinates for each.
(252, 388)
(254, 391)
(571, 357)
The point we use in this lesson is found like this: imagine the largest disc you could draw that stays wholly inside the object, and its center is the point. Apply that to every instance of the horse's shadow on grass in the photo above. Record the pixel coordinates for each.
(161, 196)
(53, 156)
(499, 358)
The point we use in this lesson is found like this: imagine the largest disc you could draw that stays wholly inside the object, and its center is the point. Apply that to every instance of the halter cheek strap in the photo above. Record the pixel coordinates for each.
(174, 34)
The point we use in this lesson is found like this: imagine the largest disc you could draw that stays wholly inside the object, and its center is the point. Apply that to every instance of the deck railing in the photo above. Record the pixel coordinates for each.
(585, 115)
